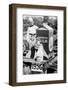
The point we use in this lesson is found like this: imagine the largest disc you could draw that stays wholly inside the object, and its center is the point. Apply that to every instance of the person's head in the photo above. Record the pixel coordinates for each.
(31, 22)
(31, 32)
(32, 35)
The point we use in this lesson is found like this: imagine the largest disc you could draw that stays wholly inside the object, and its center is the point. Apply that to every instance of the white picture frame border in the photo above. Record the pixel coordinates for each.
(42, 77)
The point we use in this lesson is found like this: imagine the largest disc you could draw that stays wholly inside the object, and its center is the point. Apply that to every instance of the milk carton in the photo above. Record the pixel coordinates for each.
(45, 34)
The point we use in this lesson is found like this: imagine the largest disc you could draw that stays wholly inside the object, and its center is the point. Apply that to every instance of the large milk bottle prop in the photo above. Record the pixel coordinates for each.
(46, 37)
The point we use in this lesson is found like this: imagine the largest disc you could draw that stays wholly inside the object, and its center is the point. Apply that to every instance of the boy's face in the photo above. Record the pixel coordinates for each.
(32, 39)
(32, 36)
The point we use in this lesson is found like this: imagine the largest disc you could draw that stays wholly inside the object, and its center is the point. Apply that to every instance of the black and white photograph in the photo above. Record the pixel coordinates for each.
(39, 44)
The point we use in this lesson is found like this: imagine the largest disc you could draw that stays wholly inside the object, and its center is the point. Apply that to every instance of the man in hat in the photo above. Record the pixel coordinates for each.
(31, 38)
(36, 48)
